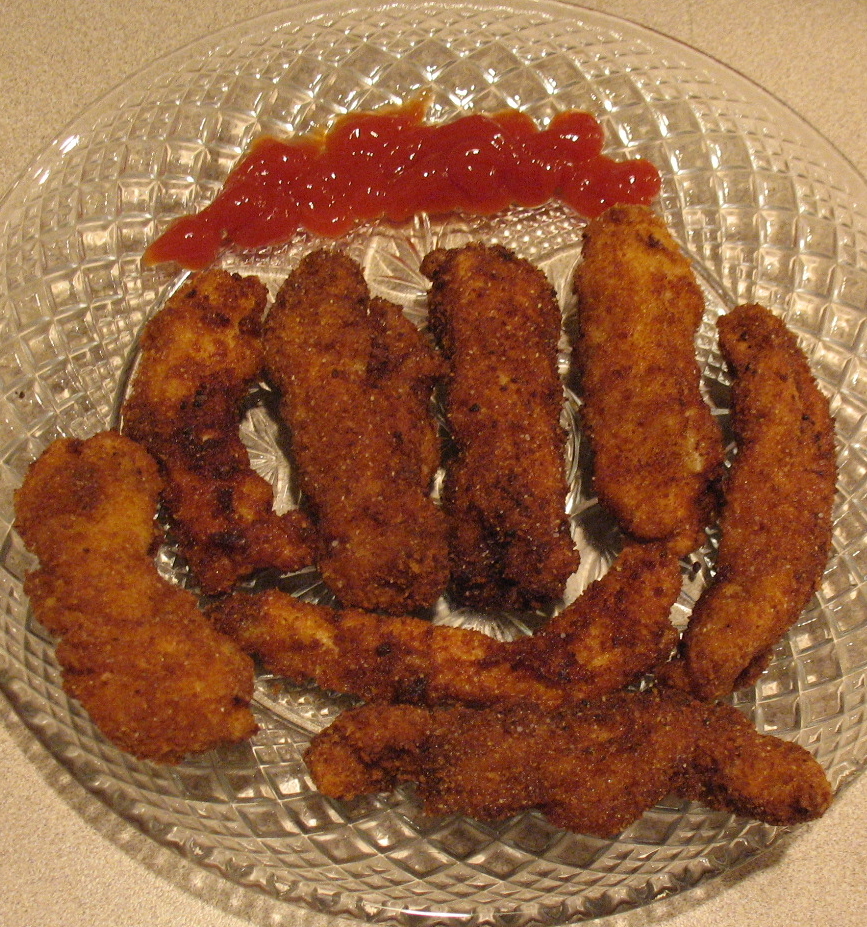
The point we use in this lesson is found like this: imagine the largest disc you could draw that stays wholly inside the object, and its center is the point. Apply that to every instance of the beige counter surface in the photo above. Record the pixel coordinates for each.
(65, 861)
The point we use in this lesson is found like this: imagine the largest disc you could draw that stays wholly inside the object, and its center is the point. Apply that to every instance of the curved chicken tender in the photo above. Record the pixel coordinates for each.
(200, 355)
(498, 323)
(135, 650)
(656, 447)
(776, 523)
(595, 767)
(356, 379)
(617, 630)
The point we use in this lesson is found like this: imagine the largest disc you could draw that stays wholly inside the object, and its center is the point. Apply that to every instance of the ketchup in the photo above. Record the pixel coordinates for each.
(391, 165)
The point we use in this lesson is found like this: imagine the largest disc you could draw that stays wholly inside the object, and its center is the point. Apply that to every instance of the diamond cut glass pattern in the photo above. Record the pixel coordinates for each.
(766, 209)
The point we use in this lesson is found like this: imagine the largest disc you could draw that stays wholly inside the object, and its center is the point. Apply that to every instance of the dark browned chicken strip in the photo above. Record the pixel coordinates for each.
(356, 379)
(657, 450)
(200, 355)
(153, 674)
(617, 630)
(776, 523)
(594, 767)
(498, 323)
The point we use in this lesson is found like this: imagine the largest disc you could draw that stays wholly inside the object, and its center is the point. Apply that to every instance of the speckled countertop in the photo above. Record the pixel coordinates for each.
(64, 859)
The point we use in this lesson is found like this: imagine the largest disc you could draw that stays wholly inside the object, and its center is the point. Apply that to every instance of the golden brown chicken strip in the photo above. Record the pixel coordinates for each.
(200, 355)
(594, 767)
(153, 674)
(657, 450)
(776, 523)
(356, 379)
(617, 630)
(498, 323)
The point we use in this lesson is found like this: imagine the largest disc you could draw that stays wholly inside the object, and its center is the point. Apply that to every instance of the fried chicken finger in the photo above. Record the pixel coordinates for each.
(498, 323)
(200, 355)
(617, 630)
(153, 674)
(594, 767)
(657, 450)
(356, 378)
(776, 523)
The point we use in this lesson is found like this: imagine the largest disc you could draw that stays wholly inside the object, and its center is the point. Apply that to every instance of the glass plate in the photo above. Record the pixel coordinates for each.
(766, 209)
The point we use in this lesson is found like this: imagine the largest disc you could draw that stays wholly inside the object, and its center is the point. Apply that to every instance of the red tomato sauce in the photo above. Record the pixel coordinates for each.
(392, 165)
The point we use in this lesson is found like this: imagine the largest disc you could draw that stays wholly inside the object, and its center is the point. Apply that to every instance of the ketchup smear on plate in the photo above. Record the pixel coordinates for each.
(390, 165)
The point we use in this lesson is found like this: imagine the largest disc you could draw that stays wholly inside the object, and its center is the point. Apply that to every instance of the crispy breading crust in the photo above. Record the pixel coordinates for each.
(153, 674)
(657, 450)
(736, 769)
(594, 767)
(776, 524)
(200, 355)
(617, 630)
(498, 323)
(356, 379)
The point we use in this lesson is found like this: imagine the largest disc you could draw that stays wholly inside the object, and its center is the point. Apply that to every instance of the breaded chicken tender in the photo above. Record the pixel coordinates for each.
(153, 674)
(200, 355)
(617, 630)
(498, 323)
(594, 767)
(657, 450)
(776, 522)
(356, 378)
